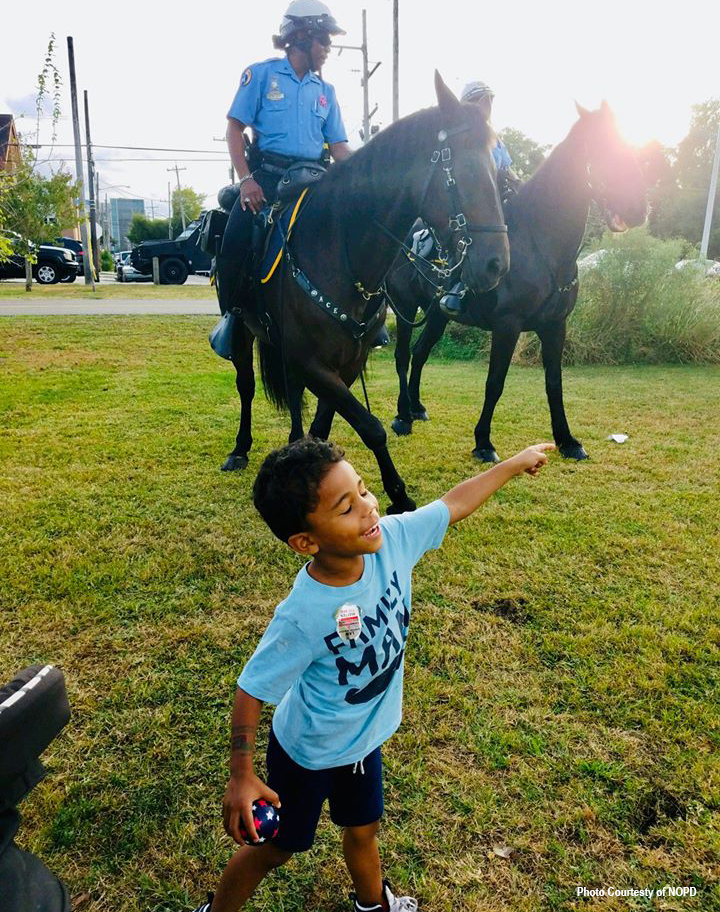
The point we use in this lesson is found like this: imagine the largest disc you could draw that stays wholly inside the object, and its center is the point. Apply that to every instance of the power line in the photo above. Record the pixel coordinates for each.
(110, 160)
(130, 148)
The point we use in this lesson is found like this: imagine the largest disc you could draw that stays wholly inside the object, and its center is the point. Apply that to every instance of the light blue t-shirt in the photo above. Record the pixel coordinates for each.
(291, 116)
(338, 699)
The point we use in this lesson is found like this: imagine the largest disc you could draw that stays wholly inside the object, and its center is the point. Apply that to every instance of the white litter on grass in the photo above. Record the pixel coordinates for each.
(618, 438)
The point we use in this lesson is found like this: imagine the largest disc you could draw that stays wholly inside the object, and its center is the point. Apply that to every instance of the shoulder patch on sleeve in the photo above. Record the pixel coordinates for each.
(246, 77)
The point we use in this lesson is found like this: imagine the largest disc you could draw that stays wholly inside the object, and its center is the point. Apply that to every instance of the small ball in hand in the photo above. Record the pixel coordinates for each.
(267, 822)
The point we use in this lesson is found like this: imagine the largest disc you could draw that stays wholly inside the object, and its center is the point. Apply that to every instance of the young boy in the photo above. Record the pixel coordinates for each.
(332, 660)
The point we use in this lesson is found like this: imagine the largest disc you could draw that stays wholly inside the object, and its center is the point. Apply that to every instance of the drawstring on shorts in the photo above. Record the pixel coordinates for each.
(358, 763)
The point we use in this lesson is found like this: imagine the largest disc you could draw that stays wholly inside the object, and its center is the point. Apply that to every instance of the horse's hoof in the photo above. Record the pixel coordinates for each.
(235, 462)
(574, 451)
(420, 415)
(402, 428)
(405, 505)
(485, 455)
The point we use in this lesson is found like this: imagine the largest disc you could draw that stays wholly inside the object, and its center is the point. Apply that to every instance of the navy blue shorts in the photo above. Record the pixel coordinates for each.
(356, 797)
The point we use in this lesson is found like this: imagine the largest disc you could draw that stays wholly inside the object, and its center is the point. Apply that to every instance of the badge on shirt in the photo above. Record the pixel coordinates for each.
(322, 101)
(246, 77)
(348, 622)
(274, 94)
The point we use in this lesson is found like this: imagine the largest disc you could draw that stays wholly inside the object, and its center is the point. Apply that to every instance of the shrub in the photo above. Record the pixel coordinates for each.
(635, 307)
(106, 261)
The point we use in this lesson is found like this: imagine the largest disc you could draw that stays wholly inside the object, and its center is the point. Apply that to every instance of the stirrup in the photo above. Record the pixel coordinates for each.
(451, 303)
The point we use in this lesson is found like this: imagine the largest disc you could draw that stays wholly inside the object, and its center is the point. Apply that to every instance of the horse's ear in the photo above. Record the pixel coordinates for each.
(446, 99)
(605, 109)
(583, 112)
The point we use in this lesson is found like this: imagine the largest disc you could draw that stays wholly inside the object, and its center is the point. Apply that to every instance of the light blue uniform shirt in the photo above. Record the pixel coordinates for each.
(291, 116)
(340, 699)
(501, 156)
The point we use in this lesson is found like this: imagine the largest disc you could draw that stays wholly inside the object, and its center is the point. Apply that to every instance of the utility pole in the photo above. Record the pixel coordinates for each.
(366, 74)
(182, 204)
(396, 61)
(170, 237)
(78, 166)
(232, 167)
(93, 198)
(152, 209)
(711, 200)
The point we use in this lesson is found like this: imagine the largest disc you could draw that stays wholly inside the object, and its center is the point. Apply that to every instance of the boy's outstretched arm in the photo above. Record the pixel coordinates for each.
(466, 497)
(244, 786)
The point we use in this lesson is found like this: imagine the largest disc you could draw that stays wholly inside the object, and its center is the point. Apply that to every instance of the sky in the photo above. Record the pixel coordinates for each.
(163, 75)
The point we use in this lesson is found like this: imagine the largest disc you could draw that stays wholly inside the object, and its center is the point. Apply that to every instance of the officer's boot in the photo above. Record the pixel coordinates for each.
(451, 303)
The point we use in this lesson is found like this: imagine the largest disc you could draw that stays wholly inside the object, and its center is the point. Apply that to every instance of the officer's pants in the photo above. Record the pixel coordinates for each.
(234, 257)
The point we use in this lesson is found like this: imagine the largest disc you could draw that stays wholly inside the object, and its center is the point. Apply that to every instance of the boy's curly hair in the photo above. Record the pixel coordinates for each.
(286, 487)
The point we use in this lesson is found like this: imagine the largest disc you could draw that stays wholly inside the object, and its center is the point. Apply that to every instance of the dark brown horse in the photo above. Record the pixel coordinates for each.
(546, 223)
(436, 164)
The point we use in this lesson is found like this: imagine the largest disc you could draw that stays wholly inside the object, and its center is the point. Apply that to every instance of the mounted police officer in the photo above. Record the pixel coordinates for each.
(480, 94)
(293, 114)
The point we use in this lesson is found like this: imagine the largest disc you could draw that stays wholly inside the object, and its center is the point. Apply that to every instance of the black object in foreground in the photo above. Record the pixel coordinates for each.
(34, 708)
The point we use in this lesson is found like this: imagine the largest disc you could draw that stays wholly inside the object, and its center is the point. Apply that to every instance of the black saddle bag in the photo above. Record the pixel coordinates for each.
(298, 176)
(212, 231)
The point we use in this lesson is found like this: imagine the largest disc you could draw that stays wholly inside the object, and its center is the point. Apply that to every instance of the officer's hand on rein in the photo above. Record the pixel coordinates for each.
(252, 196)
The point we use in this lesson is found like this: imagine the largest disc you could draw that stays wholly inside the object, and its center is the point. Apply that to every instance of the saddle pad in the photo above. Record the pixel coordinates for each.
(285, 220)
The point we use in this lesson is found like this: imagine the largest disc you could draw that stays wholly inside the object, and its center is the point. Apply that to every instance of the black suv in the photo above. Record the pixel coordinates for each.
(178, 258)
(77, 249)
(53, 265)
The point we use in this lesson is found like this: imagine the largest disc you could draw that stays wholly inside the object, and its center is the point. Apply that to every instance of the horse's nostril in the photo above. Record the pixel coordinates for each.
(493, 266)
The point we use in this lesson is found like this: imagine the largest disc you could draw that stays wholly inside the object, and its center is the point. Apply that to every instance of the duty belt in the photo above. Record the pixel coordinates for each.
(278, 164)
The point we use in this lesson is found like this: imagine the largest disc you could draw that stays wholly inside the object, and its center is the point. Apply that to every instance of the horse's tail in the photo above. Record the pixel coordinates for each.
(272, 371)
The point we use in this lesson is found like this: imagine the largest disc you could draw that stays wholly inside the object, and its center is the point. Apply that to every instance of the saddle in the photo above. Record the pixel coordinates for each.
(294, 178)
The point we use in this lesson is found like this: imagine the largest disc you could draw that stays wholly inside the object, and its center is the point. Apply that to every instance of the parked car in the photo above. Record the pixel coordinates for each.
(77, 248)
(121, 256)
(53, 265)
(127, 273)
(708, 268)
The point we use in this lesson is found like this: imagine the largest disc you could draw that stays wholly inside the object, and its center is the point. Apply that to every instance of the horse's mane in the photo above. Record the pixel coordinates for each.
(376, 167)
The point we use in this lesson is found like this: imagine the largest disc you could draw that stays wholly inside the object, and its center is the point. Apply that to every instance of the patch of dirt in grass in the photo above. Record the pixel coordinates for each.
(514, 610)
(655, 805)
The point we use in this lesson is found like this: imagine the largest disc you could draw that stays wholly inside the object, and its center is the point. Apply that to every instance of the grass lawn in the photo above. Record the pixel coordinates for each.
(563, 667)
(103, 291)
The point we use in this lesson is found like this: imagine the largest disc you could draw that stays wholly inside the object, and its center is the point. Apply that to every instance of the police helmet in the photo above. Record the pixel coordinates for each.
(476, 90)
(305, 14)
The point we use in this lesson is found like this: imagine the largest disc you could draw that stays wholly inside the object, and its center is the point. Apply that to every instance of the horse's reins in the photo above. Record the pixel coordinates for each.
(456, 222)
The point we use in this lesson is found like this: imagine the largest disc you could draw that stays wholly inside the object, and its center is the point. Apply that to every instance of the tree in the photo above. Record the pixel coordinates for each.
(143, 228)
(192, 204)
(36, 207)
(526, 154)
(680, 212)
(16, 195)
(678, 202)
(695, 153)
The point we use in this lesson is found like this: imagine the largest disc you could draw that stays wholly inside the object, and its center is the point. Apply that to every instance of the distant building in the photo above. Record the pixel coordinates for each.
(9, 143)
(121, 213)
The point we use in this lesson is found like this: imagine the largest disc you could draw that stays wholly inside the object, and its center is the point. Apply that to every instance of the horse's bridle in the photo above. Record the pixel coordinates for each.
(457, 222)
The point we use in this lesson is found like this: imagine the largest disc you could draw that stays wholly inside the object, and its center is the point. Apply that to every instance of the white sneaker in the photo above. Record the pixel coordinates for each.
(400, 903)
(205, 907)
(395, 903)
